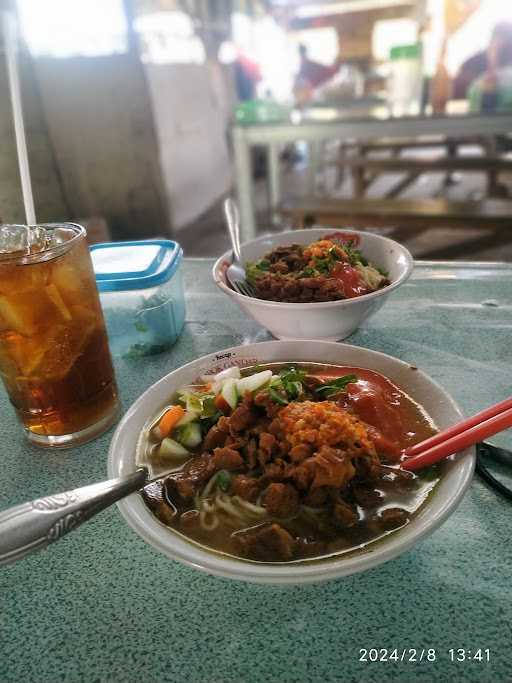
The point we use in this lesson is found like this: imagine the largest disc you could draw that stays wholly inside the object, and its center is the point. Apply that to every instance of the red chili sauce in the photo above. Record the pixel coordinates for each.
(397, 420)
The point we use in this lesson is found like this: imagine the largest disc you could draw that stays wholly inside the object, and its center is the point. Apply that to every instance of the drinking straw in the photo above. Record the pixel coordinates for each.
(10, 36)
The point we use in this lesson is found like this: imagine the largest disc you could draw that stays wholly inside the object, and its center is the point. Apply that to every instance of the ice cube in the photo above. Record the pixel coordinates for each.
(38, 239)
(59, 235)
(62, 346)
(21, 277)
(26, 352)
(32, 239)
(27, 311)
(14, 238)
(69, 280)
(47, 355)
(84, 316)
(20, 312)
(54, 295)
(24, 239)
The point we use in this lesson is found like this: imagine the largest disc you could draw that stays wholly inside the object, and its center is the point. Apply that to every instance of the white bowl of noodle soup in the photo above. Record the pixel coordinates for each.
(456, 474)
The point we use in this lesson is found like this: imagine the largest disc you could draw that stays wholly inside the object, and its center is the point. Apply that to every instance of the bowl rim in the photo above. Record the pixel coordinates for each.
(219, 277)
(145, 524)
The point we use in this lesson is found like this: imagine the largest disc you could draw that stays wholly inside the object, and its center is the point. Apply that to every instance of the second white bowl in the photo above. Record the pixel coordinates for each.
(329, 320)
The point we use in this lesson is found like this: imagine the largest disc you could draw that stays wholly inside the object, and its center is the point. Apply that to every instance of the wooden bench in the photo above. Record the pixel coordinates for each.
(398, 213)
(397, 145)
(491, 165)
(394, 164)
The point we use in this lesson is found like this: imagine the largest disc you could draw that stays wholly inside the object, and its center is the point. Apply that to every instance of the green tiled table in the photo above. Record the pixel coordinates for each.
(103, 606)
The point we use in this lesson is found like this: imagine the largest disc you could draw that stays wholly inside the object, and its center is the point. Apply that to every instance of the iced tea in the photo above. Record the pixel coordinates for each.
(54, 355)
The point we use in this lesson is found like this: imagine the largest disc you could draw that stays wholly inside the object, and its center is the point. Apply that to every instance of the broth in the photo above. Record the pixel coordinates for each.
(322, 520)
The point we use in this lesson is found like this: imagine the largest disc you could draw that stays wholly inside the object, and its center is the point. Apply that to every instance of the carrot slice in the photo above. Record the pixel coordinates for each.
(221, 404)
(169, 420)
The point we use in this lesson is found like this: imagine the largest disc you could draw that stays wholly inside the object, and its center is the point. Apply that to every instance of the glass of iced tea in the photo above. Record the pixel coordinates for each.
(54, 356)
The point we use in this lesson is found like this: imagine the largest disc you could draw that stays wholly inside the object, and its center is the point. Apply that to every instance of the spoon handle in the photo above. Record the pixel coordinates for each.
(233, 223)
(32, 526)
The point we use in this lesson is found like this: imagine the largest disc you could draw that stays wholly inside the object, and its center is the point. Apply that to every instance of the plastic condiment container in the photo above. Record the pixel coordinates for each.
(405, 82)
(141, 293)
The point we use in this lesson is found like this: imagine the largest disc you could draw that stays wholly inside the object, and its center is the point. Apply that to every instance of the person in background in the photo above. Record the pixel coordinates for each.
(440, 84)
(477, 65)
(492, 91)
(247, 76)
(312, 75)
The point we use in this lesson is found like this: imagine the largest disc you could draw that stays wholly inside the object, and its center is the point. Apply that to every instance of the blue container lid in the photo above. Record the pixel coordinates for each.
(120, 266)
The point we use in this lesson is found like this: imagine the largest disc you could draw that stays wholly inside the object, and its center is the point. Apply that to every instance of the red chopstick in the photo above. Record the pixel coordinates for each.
(460, 436)
(460, 427)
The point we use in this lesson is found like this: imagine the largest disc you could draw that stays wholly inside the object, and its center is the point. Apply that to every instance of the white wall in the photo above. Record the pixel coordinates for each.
(48, 198)
(190, 121)
(101, 127)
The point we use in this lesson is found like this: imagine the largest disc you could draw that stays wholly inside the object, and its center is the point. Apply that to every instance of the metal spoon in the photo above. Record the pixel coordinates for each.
(235, 274)
(32, 526)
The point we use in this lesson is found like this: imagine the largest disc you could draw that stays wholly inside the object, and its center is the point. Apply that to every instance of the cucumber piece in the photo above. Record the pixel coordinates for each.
(216, 387)
(172, 450)
(190, 416)
(190, 400)
(228, 373)
(200, 404)
(229, 392)
(189, 435)
(253, 382)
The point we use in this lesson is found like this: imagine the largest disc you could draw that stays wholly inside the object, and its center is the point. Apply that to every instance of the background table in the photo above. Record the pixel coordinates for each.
(101, 605)
(338, 125)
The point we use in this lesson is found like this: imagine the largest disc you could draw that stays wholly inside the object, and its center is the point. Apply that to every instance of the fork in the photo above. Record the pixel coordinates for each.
(235, 274)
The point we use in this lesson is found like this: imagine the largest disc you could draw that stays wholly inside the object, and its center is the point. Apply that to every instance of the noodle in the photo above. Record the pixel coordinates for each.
(209, 487)
(233, 508)
(226, 504)
(208, 526)
(207, 506)
(250, 507)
